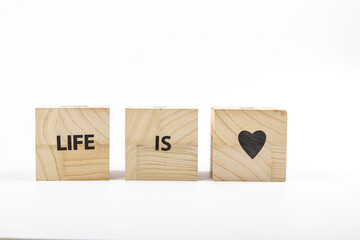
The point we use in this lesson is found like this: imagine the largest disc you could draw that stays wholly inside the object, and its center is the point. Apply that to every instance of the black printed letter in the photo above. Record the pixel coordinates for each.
(76, 142)
(58, 143)
(87, 141)
(163, 140)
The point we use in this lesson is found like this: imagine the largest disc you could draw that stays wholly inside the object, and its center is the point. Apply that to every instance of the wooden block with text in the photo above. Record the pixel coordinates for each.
(248, 144)
(161, 144)
(72, 143)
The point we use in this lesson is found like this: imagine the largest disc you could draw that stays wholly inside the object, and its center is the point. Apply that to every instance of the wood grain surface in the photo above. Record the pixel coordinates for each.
(81, 164)
(229, 161)
(143, 162)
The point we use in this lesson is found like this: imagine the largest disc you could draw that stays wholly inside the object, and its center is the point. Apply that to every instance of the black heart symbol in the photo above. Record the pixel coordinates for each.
(252, 143)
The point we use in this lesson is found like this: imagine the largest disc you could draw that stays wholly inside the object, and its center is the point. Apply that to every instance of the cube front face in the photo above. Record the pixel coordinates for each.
(248, 145)
(72, 143)
(161, 144)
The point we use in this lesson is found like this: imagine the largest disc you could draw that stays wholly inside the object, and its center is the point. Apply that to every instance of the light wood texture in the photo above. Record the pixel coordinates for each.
(143, 162)
(229, 161)
(81, 164)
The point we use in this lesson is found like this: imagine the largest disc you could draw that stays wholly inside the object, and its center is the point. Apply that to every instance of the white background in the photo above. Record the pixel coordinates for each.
(303, 56)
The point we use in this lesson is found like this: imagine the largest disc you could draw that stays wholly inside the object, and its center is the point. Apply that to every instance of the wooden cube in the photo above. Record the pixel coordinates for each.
(248, 144)
(161, 144)
(72, 143)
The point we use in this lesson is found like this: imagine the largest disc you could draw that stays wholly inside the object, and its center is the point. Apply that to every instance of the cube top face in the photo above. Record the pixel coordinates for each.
(72, 143)
(161, 144)
(248, 144)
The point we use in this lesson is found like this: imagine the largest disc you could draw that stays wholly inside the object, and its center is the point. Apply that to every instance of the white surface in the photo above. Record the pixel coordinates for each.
(302, 56)
(302, 208)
